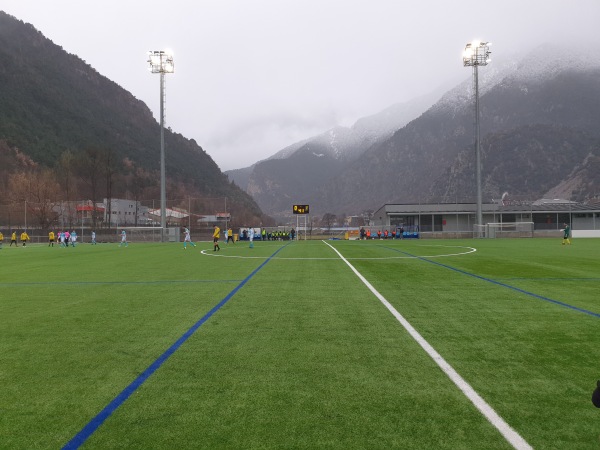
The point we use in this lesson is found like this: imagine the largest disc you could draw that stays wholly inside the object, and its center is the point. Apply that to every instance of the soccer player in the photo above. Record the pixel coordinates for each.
(230, 235)
(187, 239)
(567, 233)
(24, 237)
(1, 239)
(13, 238)
(73, 238)
(251, 237)
(51, 239)
(93, 238)
(216, 235)
(123, 238)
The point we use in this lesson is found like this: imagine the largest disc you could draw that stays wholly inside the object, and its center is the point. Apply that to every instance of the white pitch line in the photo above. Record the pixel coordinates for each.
(488, 412)
(208, 252)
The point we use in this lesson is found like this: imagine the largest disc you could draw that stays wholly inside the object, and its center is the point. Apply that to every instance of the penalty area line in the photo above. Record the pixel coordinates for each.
(511, 436)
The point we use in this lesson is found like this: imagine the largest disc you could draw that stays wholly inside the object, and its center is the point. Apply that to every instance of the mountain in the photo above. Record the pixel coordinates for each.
(528, 161)
(52, 103)
(295, 173)
(540, 128)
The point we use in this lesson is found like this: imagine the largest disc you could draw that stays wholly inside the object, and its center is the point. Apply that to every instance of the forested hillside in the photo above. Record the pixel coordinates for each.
(97, 139)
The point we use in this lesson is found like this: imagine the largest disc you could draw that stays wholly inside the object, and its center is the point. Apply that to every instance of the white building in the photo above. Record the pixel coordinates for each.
(125, 213)
(173, 216)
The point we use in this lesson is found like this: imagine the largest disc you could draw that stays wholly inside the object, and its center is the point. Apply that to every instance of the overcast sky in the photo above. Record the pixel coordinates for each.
(255, 76)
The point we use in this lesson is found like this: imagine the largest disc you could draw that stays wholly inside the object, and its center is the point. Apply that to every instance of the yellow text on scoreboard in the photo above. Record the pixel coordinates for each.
(300, 209)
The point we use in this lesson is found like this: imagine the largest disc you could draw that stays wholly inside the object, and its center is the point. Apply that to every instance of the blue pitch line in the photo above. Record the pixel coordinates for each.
(552, 278)
(522, 291)
(77, 283)
(93, 424)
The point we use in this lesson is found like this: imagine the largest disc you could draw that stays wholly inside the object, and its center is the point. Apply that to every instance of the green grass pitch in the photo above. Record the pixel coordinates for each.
(301, 354)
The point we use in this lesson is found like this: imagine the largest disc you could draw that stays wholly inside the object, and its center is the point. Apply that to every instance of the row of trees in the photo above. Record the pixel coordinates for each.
(92, 174)
(50, 194)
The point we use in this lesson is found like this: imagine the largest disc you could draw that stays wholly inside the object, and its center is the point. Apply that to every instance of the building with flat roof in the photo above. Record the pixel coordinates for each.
(125, 213)
(546, 215)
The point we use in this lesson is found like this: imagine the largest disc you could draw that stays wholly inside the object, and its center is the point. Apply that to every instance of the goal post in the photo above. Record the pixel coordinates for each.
(504, 230)
(141, 234)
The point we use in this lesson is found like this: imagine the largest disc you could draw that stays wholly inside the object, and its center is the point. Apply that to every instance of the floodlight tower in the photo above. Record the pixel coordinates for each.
(162, 62)
(477, 54)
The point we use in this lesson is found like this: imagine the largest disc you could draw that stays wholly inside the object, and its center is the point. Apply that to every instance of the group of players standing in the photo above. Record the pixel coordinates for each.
(64, 238)
(13, 238)
(228, 233)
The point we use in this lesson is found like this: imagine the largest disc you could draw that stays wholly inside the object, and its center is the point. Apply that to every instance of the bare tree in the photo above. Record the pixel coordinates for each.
(109, 169)
(328, 221)
(89, 170)
(38, 190)
(137, 180)
(64, 174)
(367, 214)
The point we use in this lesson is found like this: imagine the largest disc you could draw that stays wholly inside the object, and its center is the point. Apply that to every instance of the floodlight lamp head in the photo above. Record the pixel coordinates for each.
(468, 52)
(476, 53)
(161, 62)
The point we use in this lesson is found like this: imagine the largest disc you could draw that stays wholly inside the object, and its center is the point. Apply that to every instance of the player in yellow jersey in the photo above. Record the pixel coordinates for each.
(216, 235)
(24, 237)
(51, 239)
(1, 239)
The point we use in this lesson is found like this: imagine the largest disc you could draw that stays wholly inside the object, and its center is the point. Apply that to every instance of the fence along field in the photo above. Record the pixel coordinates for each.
(38, 218)
(301, 353)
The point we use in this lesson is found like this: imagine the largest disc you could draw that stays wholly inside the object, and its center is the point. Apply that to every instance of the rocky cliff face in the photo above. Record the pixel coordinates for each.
(528, 161)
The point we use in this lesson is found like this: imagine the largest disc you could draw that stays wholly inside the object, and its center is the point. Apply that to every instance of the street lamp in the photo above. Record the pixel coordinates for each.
(477, 54)
(162, 62)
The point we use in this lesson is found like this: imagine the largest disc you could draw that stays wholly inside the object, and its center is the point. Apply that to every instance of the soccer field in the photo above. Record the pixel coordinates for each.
(453, 344)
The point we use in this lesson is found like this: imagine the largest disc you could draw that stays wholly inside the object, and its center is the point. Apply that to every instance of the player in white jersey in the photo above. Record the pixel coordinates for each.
(251, 237)
(187, 239)
(123, 238)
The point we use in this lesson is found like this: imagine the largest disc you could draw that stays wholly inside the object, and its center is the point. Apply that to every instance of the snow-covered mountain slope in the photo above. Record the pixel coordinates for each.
(550, 92)
(348, 143)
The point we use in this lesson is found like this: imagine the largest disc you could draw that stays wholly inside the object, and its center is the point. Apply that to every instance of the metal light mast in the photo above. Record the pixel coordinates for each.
(477, 54)
(162, 62)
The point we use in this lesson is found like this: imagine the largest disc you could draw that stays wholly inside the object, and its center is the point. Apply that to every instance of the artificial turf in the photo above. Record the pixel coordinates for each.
(298, 352)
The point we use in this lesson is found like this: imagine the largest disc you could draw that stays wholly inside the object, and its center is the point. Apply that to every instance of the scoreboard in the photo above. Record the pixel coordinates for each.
(300, 209)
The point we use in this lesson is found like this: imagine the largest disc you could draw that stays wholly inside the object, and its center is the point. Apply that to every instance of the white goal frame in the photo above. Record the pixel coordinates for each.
(504, 230)
(141, 234)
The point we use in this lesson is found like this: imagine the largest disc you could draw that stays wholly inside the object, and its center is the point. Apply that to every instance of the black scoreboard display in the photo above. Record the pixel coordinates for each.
(300, 209)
